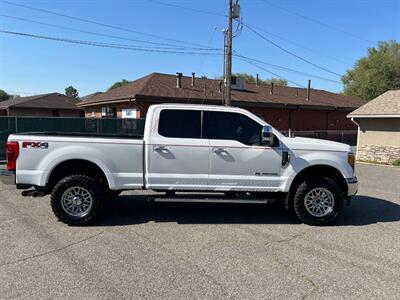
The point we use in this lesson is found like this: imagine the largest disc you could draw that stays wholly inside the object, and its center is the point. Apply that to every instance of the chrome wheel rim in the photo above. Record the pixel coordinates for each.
(319, 202)
(76, 201)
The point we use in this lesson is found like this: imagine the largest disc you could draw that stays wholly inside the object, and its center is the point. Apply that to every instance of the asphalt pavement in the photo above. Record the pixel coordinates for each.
(204, 251)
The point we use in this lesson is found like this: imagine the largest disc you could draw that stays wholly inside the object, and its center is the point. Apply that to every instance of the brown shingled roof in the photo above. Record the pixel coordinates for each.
(158, 86)
(386, 104)
(51, 100)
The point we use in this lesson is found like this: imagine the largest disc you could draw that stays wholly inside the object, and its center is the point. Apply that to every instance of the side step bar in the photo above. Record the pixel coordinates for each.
(208, 200)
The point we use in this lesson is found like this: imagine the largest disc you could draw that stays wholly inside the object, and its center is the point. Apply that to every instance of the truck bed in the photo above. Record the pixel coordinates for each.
(120, 157)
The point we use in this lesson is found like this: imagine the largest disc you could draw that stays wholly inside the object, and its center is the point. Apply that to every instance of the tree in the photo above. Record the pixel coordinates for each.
(251, 79)
(277, 81)
(376, 73)
(118, 84)
(71, 92)
(4, 96)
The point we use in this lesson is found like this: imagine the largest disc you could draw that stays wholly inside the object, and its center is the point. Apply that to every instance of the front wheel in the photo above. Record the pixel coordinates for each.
(318, 201)
(77, 200)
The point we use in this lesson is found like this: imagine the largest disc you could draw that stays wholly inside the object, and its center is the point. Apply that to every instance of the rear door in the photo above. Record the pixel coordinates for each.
(238, 161)
(178, 156)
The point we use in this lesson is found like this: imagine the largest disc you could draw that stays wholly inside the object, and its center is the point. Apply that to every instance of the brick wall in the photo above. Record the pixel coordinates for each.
(40, 112)
(119, 107)
(337, 120)
(310, 119)
(281, 119)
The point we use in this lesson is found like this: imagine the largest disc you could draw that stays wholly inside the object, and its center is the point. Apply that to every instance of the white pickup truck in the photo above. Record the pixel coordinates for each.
(218, 154)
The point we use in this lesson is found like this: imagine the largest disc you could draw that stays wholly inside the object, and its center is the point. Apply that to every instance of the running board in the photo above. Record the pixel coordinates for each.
(209, 200)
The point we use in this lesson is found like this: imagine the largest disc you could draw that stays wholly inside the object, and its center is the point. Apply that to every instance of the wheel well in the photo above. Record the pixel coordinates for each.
(75, 167)
(318, 170)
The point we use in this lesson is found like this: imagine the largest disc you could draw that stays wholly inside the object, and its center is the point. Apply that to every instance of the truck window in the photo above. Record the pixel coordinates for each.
(233, 126)
(180, 123)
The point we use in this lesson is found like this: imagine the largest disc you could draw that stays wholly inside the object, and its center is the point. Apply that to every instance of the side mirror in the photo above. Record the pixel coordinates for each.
(267, 136)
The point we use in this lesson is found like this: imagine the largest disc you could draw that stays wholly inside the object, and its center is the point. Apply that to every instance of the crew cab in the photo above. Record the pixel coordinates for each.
(211, 153)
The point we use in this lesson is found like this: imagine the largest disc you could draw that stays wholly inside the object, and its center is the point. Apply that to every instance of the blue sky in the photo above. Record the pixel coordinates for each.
(29, 65)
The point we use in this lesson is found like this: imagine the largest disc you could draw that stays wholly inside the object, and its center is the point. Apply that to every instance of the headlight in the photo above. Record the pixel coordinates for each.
(351, 159)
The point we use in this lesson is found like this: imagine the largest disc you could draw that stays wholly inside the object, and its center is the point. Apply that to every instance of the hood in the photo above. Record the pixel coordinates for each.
(315, 144)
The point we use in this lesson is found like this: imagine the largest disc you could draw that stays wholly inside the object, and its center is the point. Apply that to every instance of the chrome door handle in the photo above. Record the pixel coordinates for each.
(161, 149)
(220, 151)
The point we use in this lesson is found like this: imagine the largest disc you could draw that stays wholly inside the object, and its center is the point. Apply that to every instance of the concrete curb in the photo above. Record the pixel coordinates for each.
(374, 164)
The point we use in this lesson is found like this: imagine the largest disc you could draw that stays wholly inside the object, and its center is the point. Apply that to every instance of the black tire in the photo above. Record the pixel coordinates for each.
(310, 184)
(95, 190)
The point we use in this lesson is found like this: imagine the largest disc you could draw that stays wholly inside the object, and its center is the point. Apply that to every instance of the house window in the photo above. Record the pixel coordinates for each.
(108, 112)
(129, 113)
(56, 113)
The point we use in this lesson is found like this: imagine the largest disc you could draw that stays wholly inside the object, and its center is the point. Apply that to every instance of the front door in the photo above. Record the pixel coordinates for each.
(238, 161)
(177, 155)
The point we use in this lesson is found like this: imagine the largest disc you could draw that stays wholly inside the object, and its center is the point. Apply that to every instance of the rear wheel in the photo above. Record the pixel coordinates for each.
(77, 200)
(318, 201)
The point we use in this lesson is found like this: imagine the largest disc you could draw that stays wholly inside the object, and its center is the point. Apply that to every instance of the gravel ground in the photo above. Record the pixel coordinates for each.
(207, 251)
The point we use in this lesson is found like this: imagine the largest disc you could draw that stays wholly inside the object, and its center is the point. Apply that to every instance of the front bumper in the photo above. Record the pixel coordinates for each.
(7, 177)
(352, 186)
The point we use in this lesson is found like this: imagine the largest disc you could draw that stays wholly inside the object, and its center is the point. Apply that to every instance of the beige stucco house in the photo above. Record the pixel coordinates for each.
(379, 128)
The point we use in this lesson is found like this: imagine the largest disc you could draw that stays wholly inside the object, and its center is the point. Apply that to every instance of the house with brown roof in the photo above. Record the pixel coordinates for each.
(281, 106)
(87, 97)
(379, 128)
(44, 105)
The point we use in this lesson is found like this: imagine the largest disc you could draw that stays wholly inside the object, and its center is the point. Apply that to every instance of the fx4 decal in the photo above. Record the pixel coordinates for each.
(35, 145)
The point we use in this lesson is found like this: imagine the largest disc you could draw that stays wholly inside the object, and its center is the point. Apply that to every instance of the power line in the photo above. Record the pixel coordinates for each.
(286, 68)
(270, 33)
(327, 94)
(289, 52)
(188, 8)
(300, 45)
(318, 22)
(137, 47)
(105, 45)
(99, 23)
(176, 47)
(203, 61)
(269, 71)
(280, 67)
(240, 56)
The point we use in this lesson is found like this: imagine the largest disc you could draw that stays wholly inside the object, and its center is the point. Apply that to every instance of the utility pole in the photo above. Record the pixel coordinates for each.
(224, 68)
(228, 57)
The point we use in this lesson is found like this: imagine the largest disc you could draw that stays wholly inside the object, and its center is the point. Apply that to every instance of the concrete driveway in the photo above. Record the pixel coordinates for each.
(208, 251)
